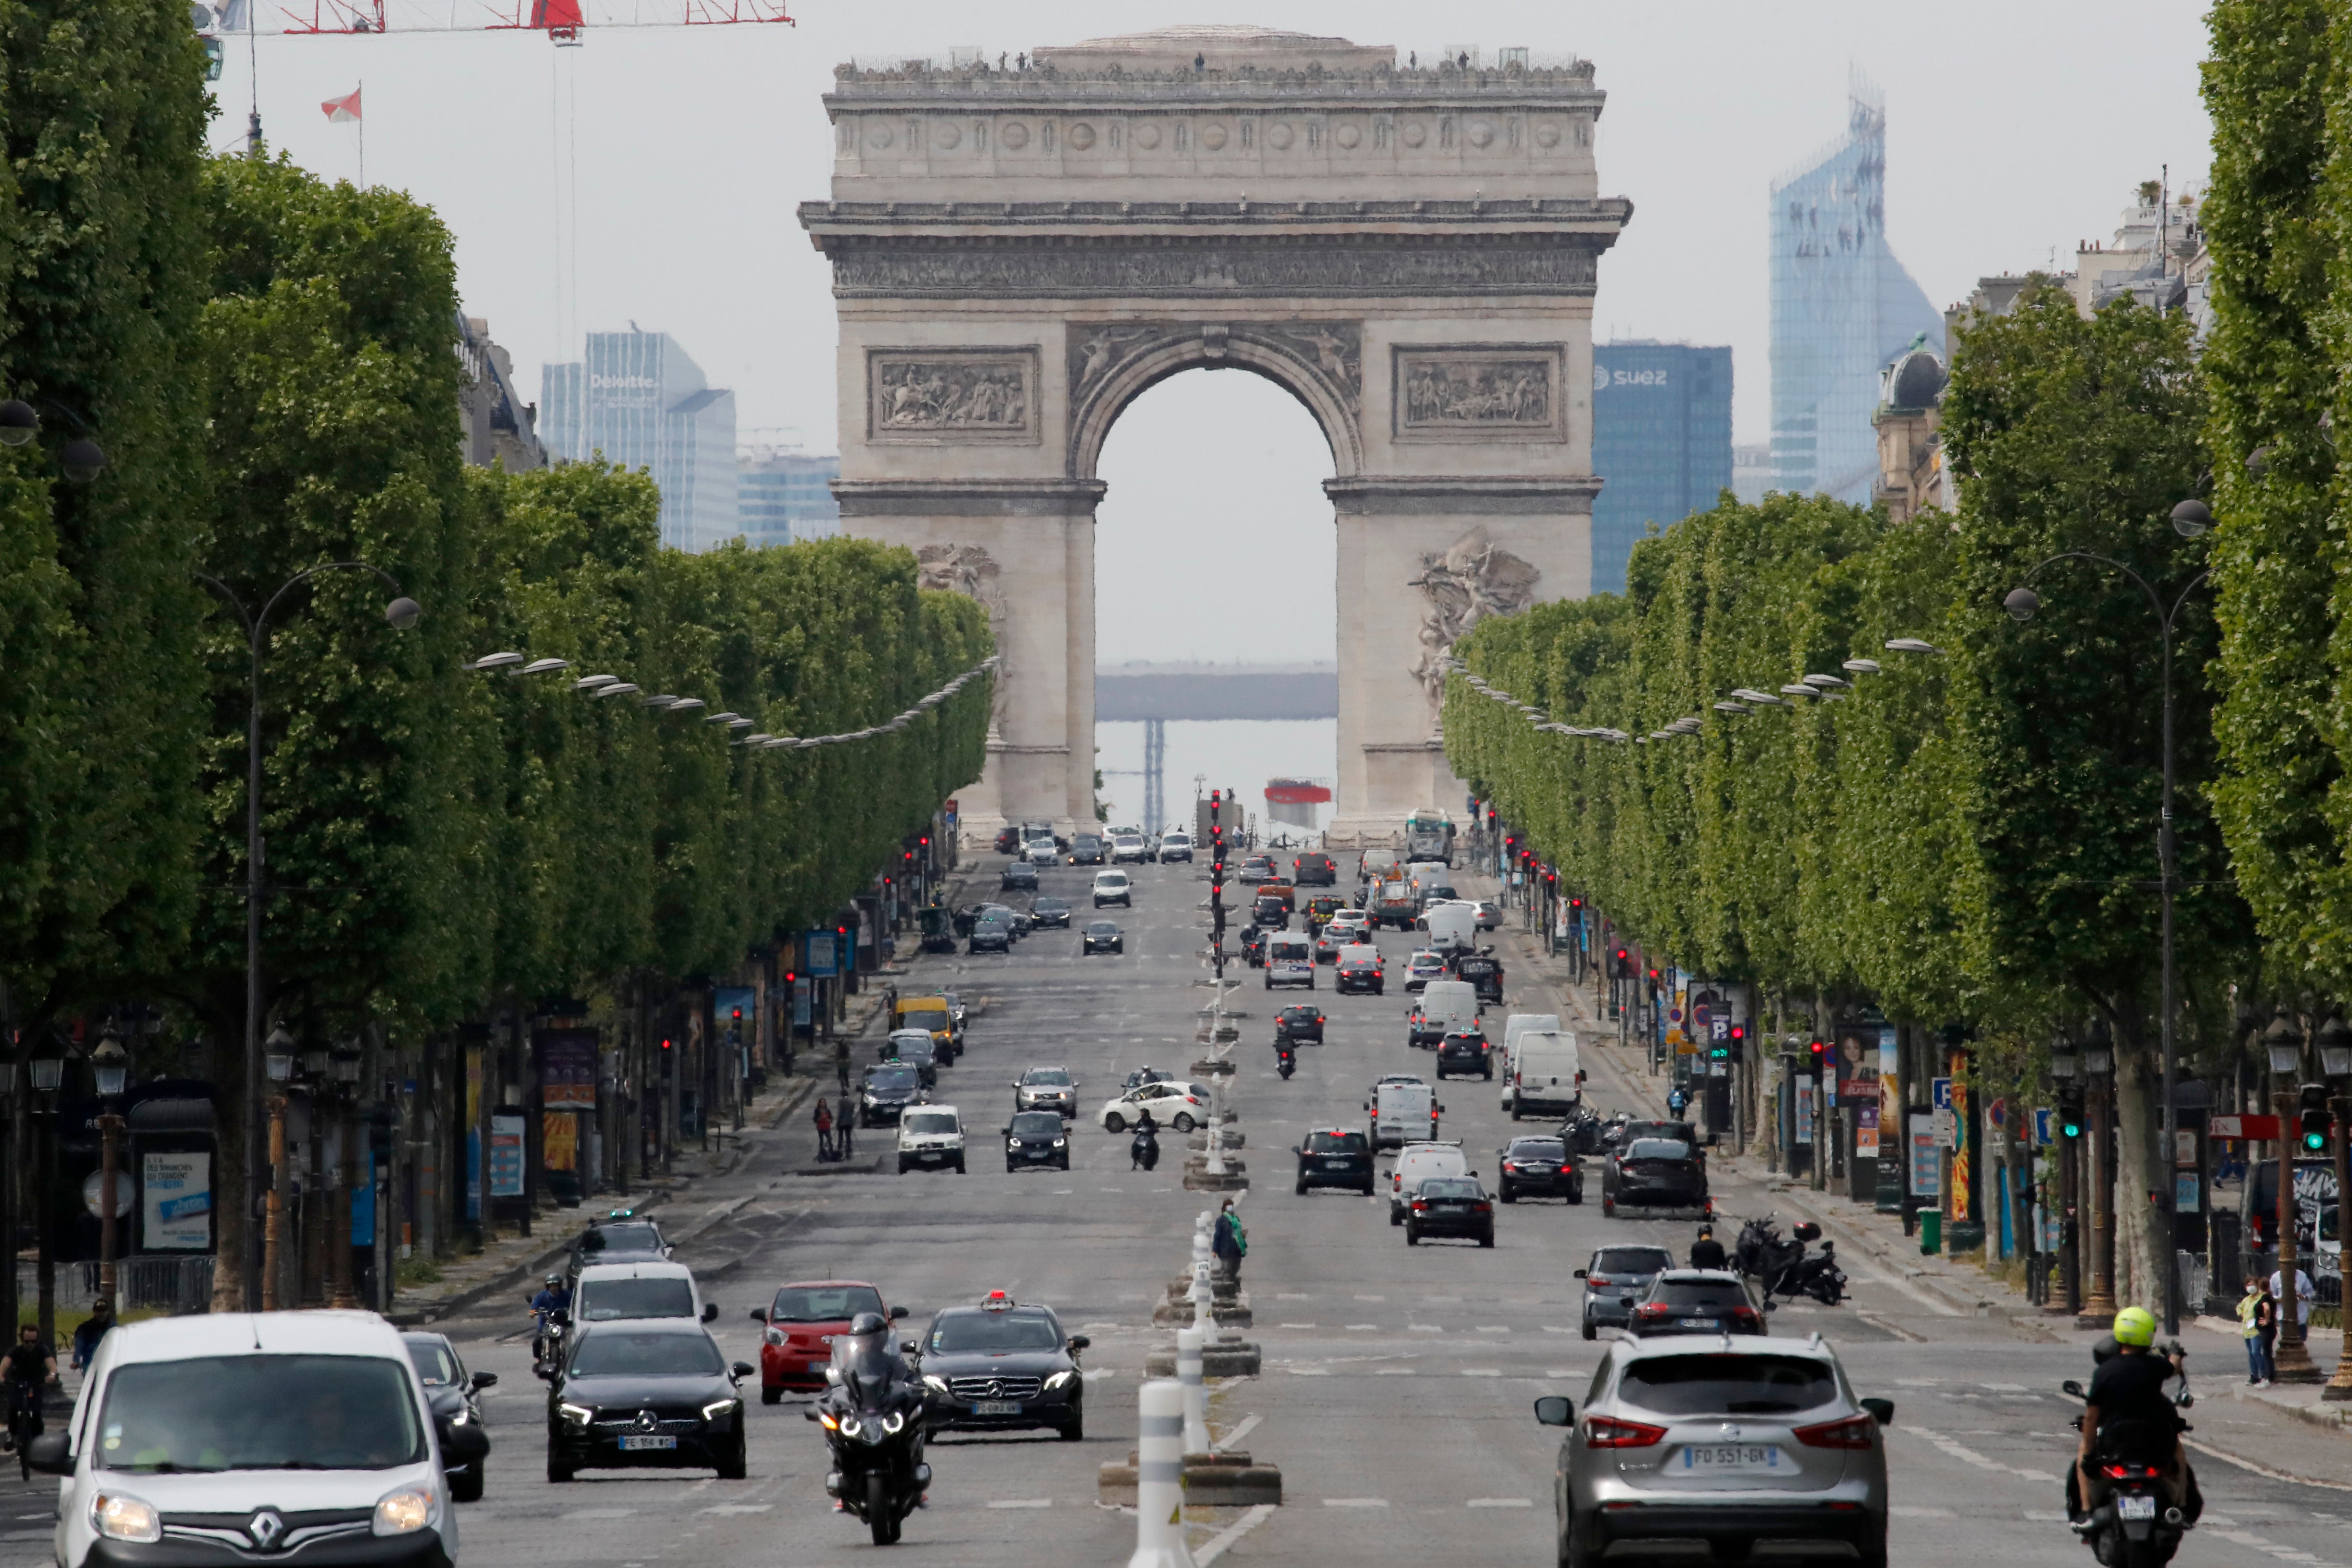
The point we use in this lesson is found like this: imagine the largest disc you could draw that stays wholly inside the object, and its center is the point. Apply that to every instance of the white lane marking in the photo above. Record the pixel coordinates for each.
(1962, 1452)
(1247, 1425)
(1294, 1295)
(1371, 1297)
(1355, 1502)
(592, 1513)
(1293, 1325)
(1064, 1191)
(1559, 1329)
(1394, 1370)
(2006, 1387)
(2262, 1470)
(731, 1508)
(1917, 1381)
(1113, 1189)
(1482, 1372)
(1498, 1502)
(1899, 1511)
(1562, 1372)
(1023, 1502)
(1354, 1328)
(1424, 1328)
(1310, 1372)
(1494, 1328)
(1214, 1547)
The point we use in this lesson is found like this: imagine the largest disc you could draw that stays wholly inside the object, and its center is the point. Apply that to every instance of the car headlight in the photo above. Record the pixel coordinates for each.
(774, 1336)
(1060, 1378)
(1013, 1145)
(1060, 1142)
(403, 1513)
(717, 1408)
(120, 1518)
(578, 1414)
(460, 1419)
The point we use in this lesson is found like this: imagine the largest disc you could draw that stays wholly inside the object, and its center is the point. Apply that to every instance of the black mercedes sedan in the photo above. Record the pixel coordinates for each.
(1538, 1167)
(1336, 1157)
(1301, 1023)
(1002, 1366)
(1102, 936)
(645, 1393)
(1655, 1174)
(451, 1393)
(991, 933)
(889, 1088)
(1451, 1206)
(1037, 1138)
(1046, 912)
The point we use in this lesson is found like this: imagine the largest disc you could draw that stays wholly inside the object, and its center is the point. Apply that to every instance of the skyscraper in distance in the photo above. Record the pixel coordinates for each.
(1661, 443)
(638, 399)
(1842, 306)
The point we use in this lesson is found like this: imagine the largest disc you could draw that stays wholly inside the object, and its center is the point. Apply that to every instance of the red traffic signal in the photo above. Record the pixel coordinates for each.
(738, 1014)
(1820, 1049)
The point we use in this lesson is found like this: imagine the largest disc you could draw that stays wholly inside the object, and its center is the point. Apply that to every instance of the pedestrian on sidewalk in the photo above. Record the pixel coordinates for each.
(841, 1064)
(824, 1129)
(844, 1129)
(1230, 1245)
(2304, 1294)
(2258, 1321)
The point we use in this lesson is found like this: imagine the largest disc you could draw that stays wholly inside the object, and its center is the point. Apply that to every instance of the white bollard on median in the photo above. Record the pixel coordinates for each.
(1190, 1345)
(1160, 1478)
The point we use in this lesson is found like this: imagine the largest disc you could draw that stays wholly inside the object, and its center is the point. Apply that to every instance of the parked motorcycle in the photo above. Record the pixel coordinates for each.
(1781, 1267)
(2137, 1524)
(873, 1415)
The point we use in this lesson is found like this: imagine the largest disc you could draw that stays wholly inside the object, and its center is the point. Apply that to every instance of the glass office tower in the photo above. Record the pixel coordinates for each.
(636, 398)
(1661, 443)
(783, 496)
(1842, 306)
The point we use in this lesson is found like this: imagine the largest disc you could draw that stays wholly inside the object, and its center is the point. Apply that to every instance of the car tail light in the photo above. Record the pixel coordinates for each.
(1598, 1279)
(1854, 1432)
(1651, 1311)
(1419, 1206)
(1747, 1317)
(1482, 1208)
(1608, 1431)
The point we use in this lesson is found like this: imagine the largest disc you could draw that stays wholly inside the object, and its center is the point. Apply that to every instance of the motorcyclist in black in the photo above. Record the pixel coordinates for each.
(1144, 1152)
(874, 1417)
(2128, 1414)
(1707, 1252)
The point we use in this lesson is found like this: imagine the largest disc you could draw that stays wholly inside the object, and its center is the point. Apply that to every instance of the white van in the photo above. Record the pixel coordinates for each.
(1416, 1162)
(1403, 1110)
(1111, 888)
(610, 1292)
(1446, 1006)
(930, 1136)
(1452, 925)
(1289, 958)
(300, 1435)
(1431, 880)
(1547, 1079)
(1516, 1024)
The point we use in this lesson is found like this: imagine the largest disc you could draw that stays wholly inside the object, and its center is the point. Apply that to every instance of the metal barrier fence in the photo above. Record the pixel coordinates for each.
(172, 1284)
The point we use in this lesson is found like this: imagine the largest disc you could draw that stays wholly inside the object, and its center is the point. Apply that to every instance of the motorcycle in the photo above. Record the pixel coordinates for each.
(2136, 1525)
(1144, 1148)
(1286, 1060)
(873, 1413)
(1781, 1267)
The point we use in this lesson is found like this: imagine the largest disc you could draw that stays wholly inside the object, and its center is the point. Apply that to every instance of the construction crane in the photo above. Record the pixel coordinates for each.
(563, 21)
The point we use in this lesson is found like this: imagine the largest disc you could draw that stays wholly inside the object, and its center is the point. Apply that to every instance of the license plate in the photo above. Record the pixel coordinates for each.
(997, 1407)
(1334, 1164)
(1724, 1458)
(636, 1445)
(2128, 1507)
(1698, 1322)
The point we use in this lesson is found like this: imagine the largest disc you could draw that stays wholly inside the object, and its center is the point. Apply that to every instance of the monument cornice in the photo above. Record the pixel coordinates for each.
(968, 498)
(1563, 90)
(1460, 495)
(1600, 216)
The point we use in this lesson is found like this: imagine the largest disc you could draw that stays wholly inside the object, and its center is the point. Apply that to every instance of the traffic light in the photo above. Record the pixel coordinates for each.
(1621, 965)
(1818, 1053)
(2316, 1120)
(1738, 1042)
(1718, 1051)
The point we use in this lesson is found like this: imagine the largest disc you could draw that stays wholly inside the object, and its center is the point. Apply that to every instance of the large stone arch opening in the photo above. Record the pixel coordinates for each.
(1018, 254)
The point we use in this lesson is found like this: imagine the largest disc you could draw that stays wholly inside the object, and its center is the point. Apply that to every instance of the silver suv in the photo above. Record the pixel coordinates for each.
(1719, 1441)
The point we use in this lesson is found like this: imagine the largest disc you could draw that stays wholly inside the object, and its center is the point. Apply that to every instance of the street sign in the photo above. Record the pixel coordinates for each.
(2044, 1124)
(1948, 1127)
(822, 958)
(1927, 1157)
(1940, 1093)
(2256, 1127)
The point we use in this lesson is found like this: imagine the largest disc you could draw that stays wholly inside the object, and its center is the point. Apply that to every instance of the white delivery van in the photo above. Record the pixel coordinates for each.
(1516, 1024)
(1416, 1162)
(1452, 926)
(1289, 958)
(1546, 1078)
(1430, 880)
(291, 1435)
(614, 1292)
(1447, 1006)
(1402, 1113)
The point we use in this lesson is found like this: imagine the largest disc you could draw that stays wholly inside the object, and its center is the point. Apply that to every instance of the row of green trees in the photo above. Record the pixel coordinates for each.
(1966, 836)
(269, 363)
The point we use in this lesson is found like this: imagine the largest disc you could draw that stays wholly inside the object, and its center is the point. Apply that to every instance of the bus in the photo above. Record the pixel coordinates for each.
(1429, 835)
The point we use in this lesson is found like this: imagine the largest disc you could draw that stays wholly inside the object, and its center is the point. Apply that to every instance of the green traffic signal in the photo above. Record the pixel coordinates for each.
(2074, 1130)
(2315, 1141)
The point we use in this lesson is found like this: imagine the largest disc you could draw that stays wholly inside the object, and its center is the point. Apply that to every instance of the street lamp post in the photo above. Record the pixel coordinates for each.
(2292, 1361)
(109, 1068)
(2098, 1068)
(280, 1069)
(2190, 518)
(48, 1073)
(401, 613)
(2335, 1043)
(345, 1059)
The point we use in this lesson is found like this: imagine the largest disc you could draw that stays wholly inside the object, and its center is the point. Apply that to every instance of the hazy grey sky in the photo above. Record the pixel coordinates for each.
(2013, 128)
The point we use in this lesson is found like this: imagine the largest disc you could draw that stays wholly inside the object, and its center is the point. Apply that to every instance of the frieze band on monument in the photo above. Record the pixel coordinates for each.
(1413, 265)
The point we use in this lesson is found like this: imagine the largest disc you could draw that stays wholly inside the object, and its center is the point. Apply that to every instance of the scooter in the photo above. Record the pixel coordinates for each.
(2136, 1525)
(1144, 1148)
(1286, 1060)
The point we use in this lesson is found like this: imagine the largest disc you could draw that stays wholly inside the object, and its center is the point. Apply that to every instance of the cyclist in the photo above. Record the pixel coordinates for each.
(27, 1369)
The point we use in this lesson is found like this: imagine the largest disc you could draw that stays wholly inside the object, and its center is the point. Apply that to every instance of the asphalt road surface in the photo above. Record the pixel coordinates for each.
(1397, 1385)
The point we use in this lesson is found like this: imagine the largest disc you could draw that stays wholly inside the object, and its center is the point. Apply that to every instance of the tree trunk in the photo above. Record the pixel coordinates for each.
(232, 1226)
(2139, 1254)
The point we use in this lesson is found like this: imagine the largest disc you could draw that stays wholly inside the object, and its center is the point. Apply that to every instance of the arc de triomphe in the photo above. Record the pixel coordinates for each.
(1410, 249)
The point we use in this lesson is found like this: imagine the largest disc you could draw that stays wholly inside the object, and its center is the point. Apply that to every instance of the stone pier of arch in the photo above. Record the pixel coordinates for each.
(1409, 252)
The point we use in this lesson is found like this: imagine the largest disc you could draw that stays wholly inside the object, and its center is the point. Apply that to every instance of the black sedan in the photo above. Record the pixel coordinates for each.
(1360, 974)
(1301, 1023)
(1616, 1281)
(1019, 877)
(1450, 1205)
(1463, 1052)
(1696, 1301)
(1336, 1157)
(451, 1393)
(1657, 1173)
(991, 933)
(1102, 936)
(1037, 1138)
(889, 1087)
(1538, 1167)
(1055, 913)
(645, 1393)
(1254, 946)
(917, 1049)
(1088, 849)
(1270, 912)
(1003, 1366)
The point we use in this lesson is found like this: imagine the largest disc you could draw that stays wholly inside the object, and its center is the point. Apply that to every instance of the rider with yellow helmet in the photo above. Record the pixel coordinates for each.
(2129, 1388)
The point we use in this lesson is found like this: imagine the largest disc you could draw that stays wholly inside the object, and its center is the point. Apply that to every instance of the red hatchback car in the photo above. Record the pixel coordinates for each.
(802, 1322)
